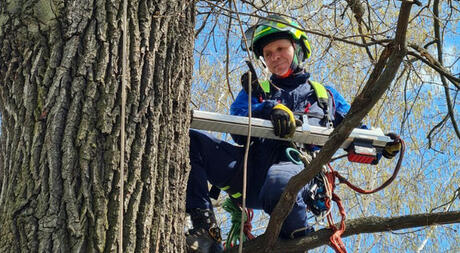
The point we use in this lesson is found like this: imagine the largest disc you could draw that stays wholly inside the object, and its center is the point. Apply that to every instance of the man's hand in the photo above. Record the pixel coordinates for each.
(392, 148)
(283, 121)
(256, 88)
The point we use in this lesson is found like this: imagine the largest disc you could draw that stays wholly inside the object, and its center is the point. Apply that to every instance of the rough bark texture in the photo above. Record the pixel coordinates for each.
(60, 86)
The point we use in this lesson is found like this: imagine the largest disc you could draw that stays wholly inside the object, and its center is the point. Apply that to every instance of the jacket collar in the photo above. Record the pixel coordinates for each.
(295, 79)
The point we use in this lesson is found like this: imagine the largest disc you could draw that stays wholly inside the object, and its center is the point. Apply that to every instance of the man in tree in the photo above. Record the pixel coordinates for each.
(283, 46)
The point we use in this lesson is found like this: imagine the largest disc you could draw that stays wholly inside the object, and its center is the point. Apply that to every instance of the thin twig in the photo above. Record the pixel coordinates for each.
(227, 53)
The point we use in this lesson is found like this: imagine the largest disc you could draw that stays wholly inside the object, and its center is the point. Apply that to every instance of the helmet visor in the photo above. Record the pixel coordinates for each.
(249, 36)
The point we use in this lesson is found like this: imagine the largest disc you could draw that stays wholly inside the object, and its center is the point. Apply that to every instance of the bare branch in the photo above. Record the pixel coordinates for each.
(429, 60)
(432, 131)
(331, 37)
(358, 10)
(372, 224)
(203, 25)
(227, 52)
(437, 35)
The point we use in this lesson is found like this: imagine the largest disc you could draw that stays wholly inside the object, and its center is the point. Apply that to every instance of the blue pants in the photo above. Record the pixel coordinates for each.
(269, 171)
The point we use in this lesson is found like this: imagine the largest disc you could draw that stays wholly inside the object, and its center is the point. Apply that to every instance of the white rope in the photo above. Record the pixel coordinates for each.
(124, 67)
(248, 140)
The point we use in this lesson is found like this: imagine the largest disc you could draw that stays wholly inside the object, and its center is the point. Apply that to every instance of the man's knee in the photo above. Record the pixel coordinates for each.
(270, 195)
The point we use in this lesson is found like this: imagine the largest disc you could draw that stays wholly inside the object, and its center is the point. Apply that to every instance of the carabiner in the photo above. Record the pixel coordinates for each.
(297, 155)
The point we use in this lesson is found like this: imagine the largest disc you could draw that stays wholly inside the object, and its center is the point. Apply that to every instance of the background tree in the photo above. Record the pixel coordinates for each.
(60, 89)
(347, 39)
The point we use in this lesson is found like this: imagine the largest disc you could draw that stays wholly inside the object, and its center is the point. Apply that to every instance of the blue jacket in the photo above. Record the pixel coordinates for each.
(297, 94)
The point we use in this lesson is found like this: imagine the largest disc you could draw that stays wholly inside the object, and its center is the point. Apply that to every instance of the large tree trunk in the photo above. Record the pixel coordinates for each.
(60, 89)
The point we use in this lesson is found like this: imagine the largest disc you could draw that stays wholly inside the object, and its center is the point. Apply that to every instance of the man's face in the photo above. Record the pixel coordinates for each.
(278, 56)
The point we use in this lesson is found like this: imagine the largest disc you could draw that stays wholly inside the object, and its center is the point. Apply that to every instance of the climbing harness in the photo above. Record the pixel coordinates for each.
(325, 102)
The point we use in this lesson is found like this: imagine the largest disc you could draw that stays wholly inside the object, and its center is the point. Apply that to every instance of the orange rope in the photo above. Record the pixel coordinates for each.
(247, 224)
(335, 239)
(386, 183)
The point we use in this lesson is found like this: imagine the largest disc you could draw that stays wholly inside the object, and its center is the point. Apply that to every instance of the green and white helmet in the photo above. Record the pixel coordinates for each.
(275, 27)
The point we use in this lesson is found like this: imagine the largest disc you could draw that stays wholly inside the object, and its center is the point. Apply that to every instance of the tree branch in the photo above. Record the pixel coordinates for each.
(227, 52)
(228, 12)
(438, 38)
(429, 60)
(432, 132)
(358, 10)
(371, 224)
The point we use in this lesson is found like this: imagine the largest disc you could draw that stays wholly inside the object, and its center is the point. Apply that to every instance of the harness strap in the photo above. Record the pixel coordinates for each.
(214, 192)
(325, 101)
(321, 94)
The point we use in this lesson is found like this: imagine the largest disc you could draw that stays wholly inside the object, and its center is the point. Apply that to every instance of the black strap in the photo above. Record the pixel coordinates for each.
(235, 184)
(214, 192)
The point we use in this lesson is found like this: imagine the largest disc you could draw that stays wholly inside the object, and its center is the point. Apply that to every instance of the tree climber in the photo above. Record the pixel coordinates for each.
(283, 46)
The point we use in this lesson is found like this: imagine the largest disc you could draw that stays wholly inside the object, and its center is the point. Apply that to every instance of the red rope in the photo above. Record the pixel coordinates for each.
(386, 183)
(336, 237)
(247, 224)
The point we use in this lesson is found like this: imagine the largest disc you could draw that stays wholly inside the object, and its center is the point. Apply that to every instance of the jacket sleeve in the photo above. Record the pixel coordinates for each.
(259, 110)
(341, 105)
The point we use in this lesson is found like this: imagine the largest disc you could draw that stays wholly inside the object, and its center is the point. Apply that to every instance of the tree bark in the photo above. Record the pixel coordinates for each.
(60, 96)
